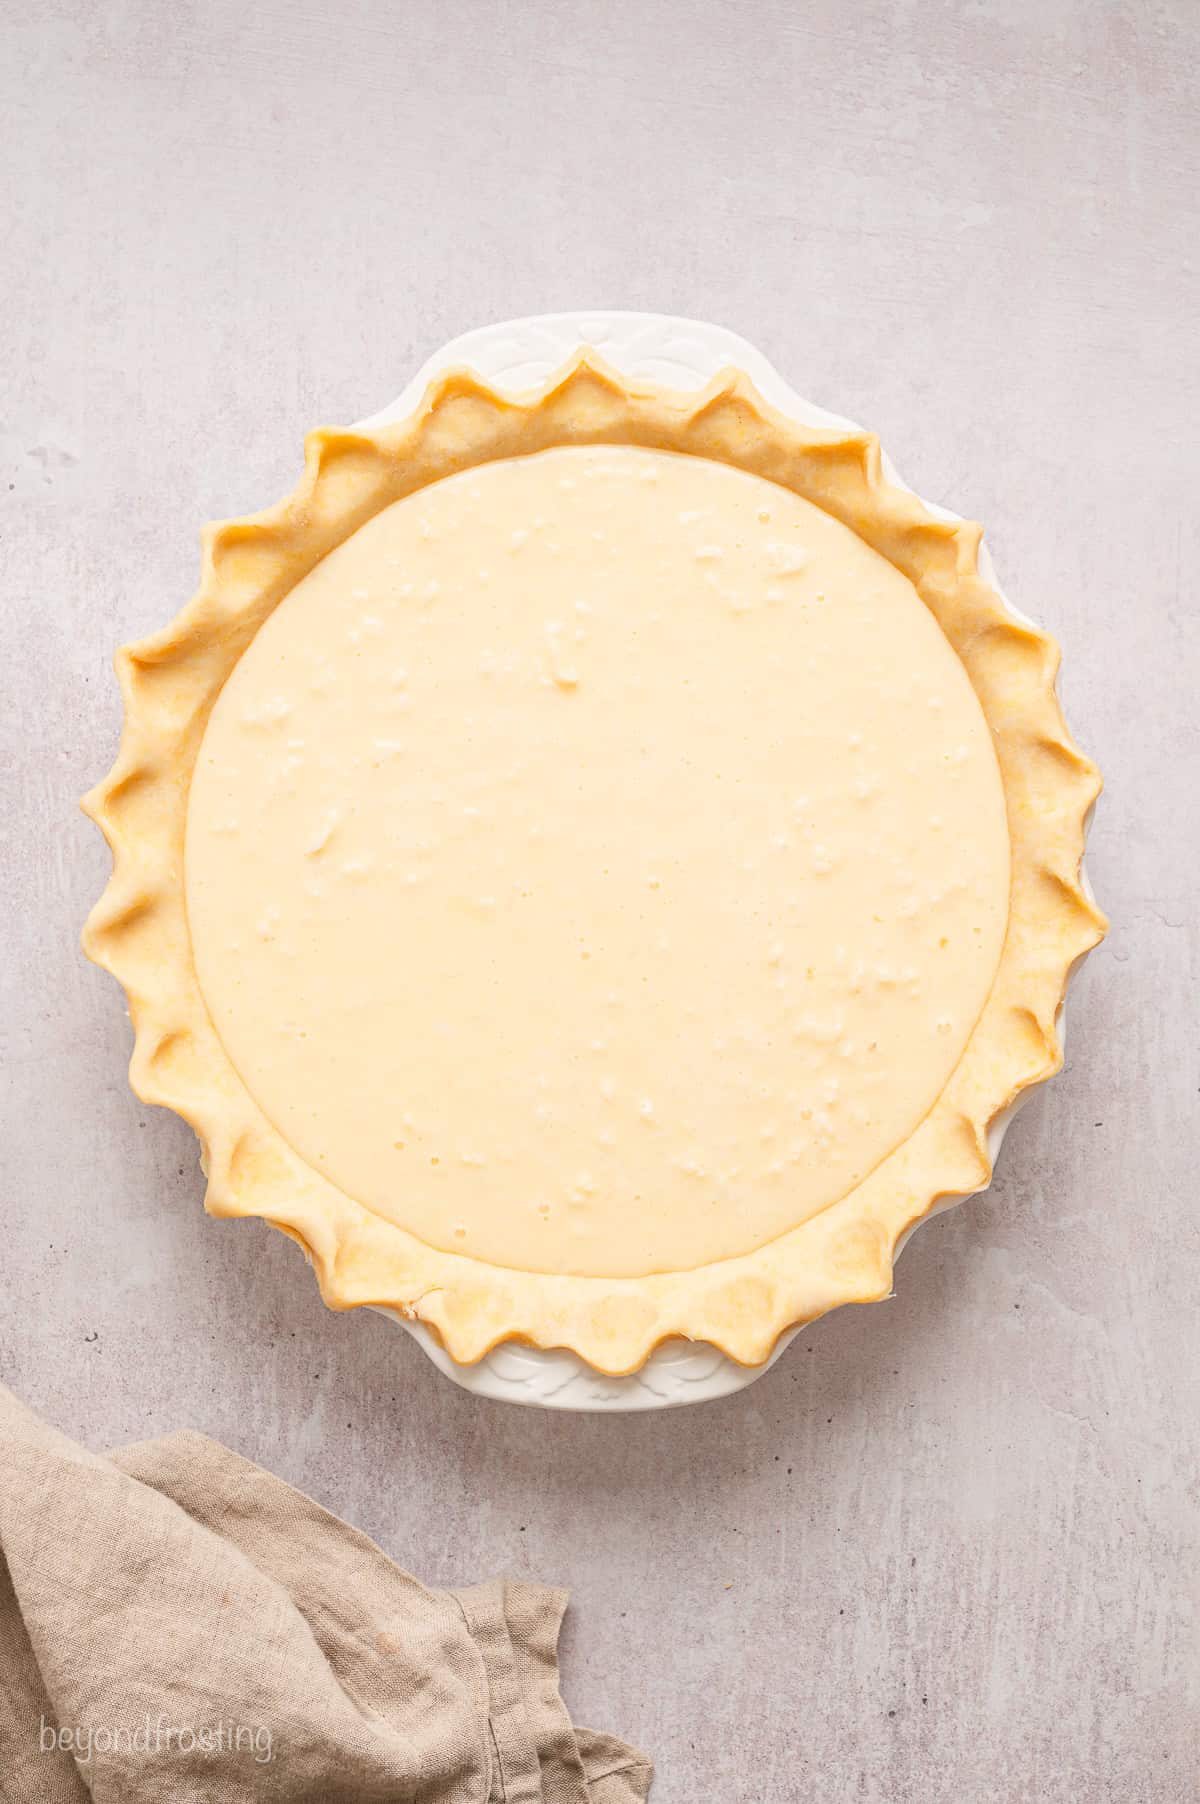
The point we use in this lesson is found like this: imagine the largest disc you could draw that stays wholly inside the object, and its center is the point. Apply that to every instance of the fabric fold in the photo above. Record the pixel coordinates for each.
(174, 1621)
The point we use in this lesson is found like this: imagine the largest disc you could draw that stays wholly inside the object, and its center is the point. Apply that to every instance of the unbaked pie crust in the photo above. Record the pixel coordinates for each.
(580, 915)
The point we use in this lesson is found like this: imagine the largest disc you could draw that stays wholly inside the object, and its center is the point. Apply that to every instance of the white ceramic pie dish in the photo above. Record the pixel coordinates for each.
(680, 353)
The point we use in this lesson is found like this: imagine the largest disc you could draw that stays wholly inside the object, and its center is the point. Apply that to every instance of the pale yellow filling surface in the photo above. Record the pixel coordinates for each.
(598, 863)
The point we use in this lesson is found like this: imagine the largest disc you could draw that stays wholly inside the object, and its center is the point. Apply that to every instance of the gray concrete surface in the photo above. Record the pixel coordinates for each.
(946, 1552)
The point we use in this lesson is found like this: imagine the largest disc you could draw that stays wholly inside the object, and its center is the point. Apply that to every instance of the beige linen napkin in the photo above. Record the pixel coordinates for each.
(175, 1623)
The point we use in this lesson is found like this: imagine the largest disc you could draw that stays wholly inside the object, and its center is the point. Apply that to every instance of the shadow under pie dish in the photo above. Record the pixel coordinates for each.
(591, 865)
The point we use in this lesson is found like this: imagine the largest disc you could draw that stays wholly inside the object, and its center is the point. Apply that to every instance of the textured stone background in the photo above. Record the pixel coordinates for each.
(946, 1551)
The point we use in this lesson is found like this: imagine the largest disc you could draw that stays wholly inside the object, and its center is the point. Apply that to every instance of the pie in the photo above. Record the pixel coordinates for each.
(590, 867)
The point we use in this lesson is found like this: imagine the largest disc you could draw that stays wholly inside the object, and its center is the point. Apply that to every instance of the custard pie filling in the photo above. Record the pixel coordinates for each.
(597, 864)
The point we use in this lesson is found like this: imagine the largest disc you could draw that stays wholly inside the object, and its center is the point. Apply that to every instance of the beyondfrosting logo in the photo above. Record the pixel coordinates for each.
(157, 1737)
